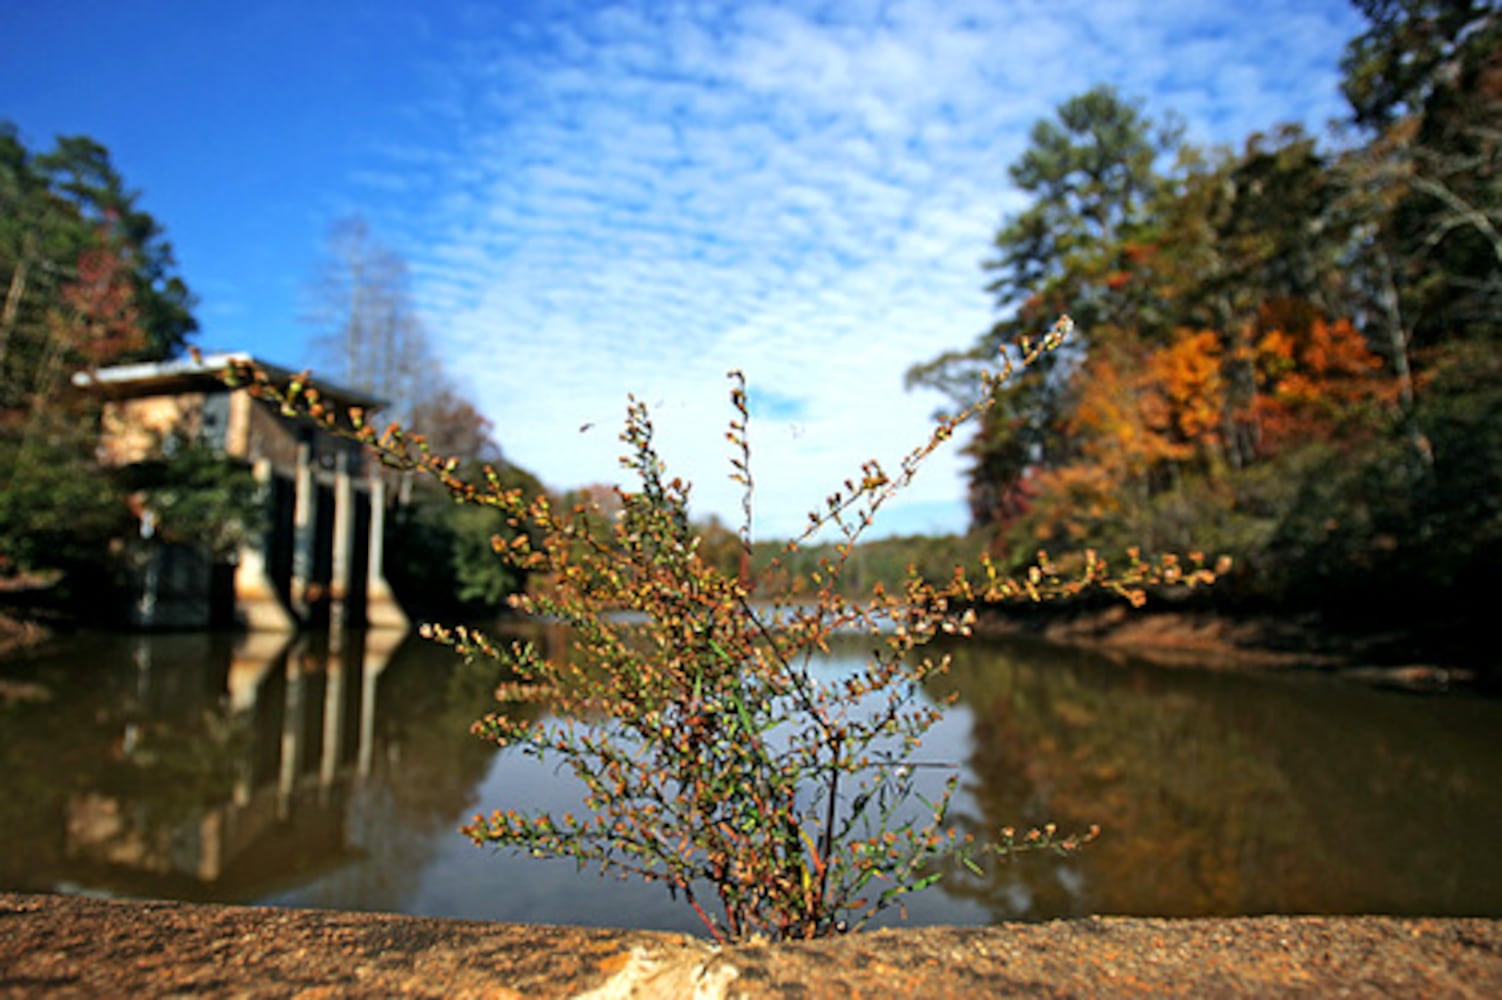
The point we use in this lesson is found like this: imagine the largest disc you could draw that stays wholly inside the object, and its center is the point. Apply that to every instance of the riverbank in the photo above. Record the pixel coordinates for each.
(18, 634)
(1427, 656)
(1417, 656)
(58, 946)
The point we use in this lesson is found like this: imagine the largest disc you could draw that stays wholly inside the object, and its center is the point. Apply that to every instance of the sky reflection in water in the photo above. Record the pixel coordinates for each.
(254, 770)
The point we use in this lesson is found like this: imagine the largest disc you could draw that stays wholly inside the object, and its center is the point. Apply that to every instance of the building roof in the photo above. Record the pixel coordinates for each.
(153, 378)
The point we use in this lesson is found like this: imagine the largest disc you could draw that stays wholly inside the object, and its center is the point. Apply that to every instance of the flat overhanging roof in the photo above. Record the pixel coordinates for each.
(154, 378)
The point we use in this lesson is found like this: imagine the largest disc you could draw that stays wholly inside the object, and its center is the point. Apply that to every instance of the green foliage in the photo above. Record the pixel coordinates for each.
(714, 756)
(440, 555)
(58, 509)
(885, 562)
(63, 516)
(1092, 171)
(1271, 336)
(1430, 536)
(197, 496)
(1415, 55)
(86, 276)
(480, 576)
(79, 170)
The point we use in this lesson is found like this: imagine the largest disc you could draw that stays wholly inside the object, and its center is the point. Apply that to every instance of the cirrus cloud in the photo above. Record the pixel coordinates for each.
(636, 197)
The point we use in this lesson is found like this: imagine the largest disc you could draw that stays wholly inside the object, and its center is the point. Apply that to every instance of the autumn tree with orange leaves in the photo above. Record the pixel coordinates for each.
(1286, 353)
(86, 279)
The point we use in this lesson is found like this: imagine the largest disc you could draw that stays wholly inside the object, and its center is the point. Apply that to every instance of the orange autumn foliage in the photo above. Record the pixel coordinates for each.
(1147, 408)
(1146, 416)
(1183, 393)
(1073, 500)
(1107, 421)
(1311, 378)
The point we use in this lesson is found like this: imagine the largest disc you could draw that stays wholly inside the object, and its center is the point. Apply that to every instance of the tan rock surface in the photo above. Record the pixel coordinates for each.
(59, 946)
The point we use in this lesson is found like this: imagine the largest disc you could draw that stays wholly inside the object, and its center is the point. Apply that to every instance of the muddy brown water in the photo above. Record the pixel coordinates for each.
(253, 769)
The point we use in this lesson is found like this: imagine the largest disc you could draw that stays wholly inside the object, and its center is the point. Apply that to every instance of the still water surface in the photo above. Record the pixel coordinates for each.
(256, 770)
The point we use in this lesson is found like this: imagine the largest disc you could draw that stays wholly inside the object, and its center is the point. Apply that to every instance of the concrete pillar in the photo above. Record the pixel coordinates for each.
(381, 608)
(304, 529)
(257, 603)
(344, 540)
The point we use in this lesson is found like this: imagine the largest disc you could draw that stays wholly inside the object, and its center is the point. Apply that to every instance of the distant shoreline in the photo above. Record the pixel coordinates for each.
(1403, 656)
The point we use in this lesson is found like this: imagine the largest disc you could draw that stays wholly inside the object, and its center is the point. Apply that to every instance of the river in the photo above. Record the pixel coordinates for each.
(257, 769)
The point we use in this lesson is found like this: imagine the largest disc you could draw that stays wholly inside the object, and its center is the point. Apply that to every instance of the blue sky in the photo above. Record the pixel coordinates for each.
(599, 199)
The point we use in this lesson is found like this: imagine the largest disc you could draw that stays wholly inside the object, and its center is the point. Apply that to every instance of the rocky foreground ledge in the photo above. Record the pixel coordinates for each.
(62, 946)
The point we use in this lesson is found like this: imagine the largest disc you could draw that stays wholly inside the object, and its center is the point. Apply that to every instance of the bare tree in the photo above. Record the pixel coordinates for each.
(367, 332)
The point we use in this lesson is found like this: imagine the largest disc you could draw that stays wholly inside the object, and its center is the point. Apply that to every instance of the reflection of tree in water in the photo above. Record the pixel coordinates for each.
(179, 747)
(133, 745)
(1218, 794)
(52, 737)
(176, 769)
(423, 782)
(132, 766)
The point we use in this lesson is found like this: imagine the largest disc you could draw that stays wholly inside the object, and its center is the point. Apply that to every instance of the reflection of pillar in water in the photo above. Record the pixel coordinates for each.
(344, 537)
(254, 656)
(140, 656)
(256, 600)
(304, 528)
(152, 581)
(380, 645)
(333, 715)
(381, 609)
(292, 728)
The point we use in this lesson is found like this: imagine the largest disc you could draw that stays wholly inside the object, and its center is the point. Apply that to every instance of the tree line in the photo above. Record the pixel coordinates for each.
(1287, 351)
(88, 279)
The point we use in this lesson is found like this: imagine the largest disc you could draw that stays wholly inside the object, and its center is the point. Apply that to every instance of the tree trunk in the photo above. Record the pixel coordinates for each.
(12, 308)
(1398, 337)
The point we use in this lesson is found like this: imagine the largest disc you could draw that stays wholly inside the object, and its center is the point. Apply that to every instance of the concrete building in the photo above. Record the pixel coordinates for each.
(319, 563)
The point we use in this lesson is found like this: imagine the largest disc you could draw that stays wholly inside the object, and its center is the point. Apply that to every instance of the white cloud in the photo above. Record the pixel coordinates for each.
(635, 198)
